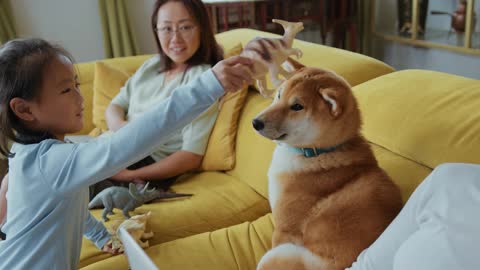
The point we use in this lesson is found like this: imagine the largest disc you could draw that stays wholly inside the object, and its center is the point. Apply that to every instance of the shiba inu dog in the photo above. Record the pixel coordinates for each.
(329, 198)
(268, 54)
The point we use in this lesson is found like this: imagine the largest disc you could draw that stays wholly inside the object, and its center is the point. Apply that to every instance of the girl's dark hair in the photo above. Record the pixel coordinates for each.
(209, 51)
(22, 64)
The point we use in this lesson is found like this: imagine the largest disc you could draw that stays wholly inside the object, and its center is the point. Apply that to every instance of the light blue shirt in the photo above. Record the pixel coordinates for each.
(48, 191)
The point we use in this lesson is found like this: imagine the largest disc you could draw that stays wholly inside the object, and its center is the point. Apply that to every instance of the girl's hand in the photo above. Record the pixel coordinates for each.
(234, 72)
(108, 249)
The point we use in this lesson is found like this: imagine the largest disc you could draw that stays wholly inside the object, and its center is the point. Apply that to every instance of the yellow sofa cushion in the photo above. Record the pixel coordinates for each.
(86, 75)
(253, 152)
(109, 76)
(220, 153)
(218, 201)
(108, 82)
(237, 247)
(407, 174)
(425, 116)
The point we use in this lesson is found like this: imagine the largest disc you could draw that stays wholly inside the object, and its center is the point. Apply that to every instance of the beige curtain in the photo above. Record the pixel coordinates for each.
(118, 38)
(7, 29)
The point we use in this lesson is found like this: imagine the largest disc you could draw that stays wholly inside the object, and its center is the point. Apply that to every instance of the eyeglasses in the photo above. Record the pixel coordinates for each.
(184, 31)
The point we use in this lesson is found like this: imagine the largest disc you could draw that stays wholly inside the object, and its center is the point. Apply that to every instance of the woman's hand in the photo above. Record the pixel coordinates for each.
(123, 176)
(115, 117)
(127, 176)
(108, 249)
(234, 72)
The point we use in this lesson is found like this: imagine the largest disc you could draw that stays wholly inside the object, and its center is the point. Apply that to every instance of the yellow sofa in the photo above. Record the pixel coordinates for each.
(414, 119)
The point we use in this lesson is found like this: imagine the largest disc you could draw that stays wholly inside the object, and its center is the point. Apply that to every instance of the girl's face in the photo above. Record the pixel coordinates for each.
(59, 107)
(178, 32)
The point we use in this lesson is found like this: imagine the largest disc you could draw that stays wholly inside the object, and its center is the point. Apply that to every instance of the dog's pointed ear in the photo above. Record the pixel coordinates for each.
(293, 65)
(332, 98)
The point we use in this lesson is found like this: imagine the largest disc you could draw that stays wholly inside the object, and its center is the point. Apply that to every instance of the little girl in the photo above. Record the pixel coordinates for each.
(48, 184)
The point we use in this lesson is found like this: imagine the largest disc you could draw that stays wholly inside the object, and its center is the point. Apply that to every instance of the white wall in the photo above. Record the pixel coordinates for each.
(71, 23)
(402, 56)
(75, 24)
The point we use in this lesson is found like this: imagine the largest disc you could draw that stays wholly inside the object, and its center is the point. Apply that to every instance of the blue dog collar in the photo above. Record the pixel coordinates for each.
(312, 152)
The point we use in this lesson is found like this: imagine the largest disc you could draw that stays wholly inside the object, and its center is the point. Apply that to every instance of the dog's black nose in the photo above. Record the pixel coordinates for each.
(257, 124)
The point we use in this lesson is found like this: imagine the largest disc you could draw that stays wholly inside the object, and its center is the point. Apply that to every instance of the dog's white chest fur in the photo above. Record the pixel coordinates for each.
(283, 161)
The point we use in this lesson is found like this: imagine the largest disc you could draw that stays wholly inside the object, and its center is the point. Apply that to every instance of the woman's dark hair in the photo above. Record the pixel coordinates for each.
(209, 51)
(22, 66)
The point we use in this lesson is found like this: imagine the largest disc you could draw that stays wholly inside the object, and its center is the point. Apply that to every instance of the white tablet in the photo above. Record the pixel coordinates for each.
(137, 258)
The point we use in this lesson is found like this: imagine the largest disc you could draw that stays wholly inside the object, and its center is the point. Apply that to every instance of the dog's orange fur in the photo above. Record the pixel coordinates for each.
(338, 203)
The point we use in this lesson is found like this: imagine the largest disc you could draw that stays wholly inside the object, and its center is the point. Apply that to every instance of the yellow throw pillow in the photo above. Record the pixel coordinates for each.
(107, 83)
(220, 153)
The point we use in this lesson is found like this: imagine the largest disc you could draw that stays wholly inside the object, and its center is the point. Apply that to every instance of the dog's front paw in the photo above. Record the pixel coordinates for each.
(290, 256)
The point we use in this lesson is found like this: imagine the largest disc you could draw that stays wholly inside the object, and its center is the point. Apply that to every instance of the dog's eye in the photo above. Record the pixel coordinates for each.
(296, 107)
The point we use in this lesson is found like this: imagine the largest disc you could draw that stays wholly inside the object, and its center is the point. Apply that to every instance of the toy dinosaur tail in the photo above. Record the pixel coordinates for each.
(95, 203)
(168, 195)
(291, 29)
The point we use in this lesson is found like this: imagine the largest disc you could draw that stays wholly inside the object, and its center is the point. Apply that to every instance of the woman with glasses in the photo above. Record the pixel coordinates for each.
(186, 48)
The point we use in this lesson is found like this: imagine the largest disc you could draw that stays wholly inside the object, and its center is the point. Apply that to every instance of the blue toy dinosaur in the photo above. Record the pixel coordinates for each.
(128, 199)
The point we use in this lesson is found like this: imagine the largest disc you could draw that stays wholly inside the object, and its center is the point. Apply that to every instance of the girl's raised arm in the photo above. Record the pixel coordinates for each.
(66, 167)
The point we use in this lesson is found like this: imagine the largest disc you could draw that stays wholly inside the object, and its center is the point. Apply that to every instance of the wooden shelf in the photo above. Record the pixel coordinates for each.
(466, 43)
